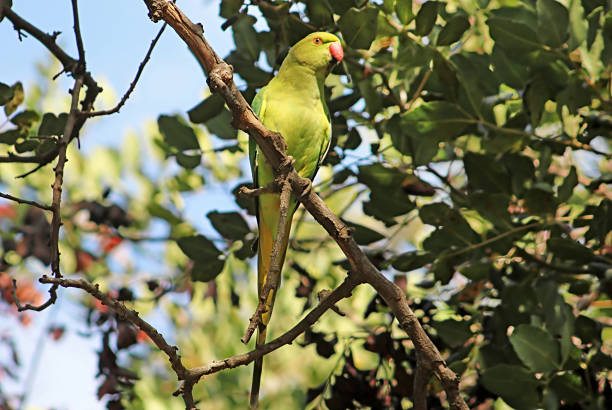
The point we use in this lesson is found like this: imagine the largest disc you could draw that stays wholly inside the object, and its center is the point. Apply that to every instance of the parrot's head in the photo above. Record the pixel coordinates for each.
(321, 51)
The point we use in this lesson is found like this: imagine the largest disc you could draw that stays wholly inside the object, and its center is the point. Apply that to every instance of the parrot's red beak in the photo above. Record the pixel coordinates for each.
(336, 51)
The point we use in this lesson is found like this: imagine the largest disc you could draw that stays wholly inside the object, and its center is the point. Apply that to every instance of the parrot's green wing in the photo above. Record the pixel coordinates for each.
(258, 108)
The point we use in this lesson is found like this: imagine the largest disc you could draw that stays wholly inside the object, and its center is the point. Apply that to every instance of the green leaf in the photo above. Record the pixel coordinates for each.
(188, 161)
(248, 249)
(10, 137)
(18, 97)
(601, 224)
(319, 13)
(436, 119)
(207, 109)
(447, 76)
(205, 272)
(456, 228)
(379, 176)
(372, 97)
(52, 124)
(412, 260)
(231, 225)
(511, 72)
(359, 26)
(344, 102)
(341, 6)
(403, 10)
(476, 271)
(27, 145)
(386, 204)
(245, 37)
(568, 387)
(364, 235)
(229, 7)
(426, 17)
(453, 30)
(6, 93)
(222, 127)
(159, 211)
(536, 348)
(512, 36)
(568, 249)
(578, 25)
(588, 330)
(176, 133)
(25, 119)
(199, 248)
(515, 384)
(553, 20)
(484, 173)
(46, 146)
(568, 185)
(453, 332)
(536, 95)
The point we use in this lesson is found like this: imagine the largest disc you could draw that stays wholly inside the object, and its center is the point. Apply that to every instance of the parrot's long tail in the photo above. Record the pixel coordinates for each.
(261, 339)
(266, 242)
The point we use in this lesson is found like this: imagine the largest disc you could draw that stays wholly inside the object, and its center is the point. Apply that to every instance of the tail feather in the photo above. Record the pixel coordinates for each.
(258, 365)
(266, 241)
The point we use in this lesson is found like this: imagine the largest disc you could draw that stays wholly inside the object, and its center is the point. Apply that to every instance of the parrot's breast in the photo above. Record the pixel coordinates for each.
(305, 127)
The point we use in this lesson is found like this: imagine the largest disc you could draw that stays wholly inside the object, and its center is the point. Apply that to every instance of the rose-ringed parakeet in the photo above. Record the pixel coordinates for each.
(292, 104)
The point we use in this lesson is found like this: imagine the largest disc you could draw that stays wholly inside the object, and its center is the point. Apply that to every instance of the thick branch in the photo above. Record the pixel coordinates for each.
(273, 148)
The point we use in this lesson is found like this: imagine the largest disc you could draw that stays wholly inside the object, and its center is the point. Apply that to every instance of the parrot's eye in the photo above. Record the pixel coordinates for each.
(317, 40)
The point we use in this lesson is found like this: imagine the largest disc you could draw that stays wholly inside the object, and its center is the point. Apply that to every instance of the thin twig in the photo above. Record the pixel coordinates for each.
(328, 302)
(132, 86)
(56, 221)
(70, 65)
(417, 93)
(130, 315)
(39, 308)
(31, 159)
(26, 202)
(273, 276)
(77, 34)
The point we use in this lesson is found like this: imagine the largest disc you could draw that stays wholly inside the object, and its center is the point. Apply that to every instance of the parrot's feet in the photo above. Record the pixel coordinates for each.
(307, 185)
(268, 189)
(285, 167)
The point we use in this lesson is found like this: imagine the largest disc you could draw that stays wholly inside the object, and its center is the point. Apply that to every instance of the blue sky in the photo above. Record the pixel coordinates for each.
(116, 35)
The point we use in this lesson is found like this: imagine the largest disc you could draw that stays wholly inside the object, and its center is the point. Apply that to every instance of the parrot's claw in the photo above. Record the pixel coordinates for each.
(286, 165)
(307, 189)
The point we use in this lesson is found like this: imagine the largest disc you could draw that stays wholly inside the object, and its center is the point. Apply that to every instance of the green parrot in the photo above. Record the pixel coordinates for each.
(292, 104)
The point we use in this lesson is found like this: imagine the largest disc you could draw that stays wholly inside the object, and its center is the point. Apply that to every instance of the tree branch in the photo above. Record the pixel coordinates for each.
(130, 315)
(77, 34)
(273, 147)
(344, 290)
(191, 376)
(26, 202)
(70, 65)
(132, 86)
